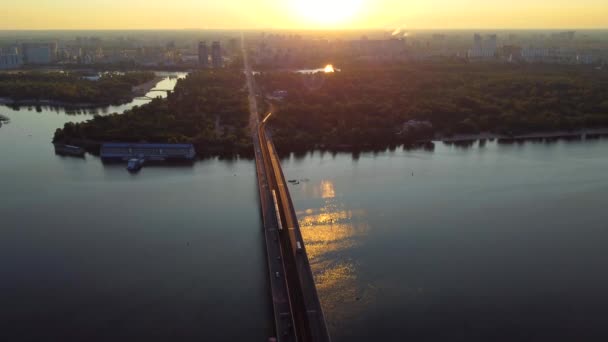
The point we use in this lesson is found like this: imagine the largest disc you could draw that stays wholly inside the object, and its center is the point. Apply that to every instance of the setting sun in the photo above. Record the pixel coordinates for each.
(327, 12)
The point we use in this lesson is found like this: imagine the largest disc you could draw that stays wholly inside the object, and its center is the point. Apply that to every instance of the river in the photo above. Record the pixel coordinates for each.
(487, 243)
(89, 252)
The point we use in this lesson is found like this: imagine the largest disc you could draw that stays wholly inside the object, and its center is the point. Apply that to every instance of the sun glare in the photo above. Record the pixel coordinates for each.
(329, 69)
(327, 12)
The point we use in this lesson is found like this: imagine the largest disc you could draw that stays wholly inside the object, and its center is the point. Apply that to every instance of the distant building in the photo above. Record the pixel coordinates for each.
(10, 61)
(216, 55)
(511, 53)
(233, 45)
(532, 54)
(203, 55)
(416, 125)
(39, 53)
(13, 50)
(484, 48)
(566, 36)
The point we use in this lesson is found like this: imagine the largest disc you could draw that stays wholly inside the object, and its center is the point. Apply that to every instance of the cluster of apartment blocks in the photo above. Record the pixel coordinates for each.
(28, 53)
(558, 48)
(49, 53)
(216, 55)
(96, 51)
(488, 48)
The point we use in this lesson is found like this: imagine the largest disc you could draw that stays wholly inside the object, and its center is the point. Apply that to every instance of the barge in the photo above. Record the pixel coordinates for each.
(149, 152)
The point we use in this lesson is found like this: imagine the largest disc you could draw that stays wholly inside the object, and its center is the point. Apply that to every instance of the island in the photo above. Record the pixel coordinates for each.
(208, 109)
(73, 88)
(374, 106)
(366, 106)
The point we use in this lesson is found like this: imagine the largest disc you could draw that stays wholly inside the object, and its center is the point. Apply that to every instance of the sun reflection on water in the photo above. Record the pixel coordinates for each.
(330, 231)
(327, 189)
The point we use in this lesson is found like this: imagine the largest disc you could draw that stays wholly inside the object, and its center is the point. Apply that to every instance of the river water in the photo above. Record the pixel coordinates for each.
(487, 243)
(89, 252)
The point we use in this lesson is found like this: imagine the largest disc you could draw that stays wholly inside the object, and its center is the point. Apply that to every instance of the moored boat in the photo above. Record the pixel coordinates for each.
(69, 150)
(135, 164)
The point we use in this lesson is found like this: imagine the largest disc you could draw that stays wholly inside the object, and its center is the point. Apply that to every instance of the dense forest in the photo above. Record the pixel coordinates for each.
(368, 105)
(207, 108)
(111, 88)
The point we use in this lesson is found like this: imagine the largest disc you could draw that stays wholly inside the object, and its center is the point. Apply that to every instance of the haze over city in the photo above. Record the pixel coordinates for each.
(303, 14)
(303, 170)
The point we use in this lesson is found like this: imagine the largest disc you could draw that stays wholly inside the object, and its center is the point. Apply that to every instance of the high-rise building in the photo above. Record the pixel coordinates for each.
(203, 55)
(477, 41)
(484, 48)
(491, 44)
(39, 53)
(10, 61)
(234, 45)
(216, 55)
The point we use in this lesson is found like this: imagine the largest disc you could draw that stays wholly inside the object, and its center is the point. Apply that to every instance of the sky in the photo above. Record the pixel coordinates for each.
(303, 14)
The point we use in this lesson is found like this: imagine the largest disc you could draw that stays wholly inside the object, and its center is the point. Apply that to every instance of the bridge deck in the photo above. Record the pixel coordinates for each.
(297, 310)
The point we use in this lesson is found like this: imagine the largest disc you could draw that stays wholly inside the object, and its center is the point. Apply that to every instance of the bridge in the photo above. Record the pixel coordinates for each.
(297, 311)
(146, 97)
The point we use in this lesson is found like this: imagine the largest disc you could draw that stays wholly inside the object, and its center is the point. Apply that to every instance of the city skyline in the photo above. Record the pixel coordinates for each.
(299, 14)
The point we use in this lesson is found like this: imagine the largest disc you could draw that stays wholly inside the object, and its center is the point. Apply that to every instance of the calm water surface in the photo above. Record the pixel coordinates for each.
(492, 243)
(89, 252)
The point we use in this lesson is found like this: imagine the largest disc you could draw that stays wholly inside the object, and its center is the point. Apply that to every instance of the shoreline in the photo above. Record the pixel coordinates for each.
(92, 146)
(581, 133)
(137, 91)
(52, 103)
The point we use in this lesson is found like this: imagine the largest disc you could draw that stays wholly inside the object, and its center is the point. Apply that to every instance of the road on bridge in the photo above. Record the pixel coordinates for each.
(297, 310)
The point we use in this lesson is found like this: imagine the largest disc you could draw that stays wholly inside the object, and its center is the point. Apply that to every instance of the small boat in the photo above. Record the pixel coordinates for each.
(69, 150)
(135, 164)
(293, 181)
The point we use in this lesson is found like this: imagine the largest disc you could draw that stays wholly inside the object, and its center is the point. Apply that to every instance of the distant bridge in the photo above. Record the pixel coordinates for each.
(146, 97)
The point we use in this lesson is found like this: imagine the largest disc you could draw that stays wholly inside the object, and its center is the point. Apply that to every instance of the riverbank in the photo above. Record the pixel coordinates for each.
(73, 90)
(3, 120)
(183, 121)
(137, 91)
(535, 136)
(51, 103)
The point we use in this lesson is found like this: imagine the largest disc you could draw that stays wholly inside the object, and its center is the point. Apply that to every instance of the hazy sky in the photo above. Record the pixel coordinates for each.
(414, 14)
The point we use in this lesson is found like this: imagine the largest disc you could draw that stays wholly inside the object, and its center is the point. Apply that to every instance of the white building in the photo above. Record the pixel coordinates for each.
(537, 54)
